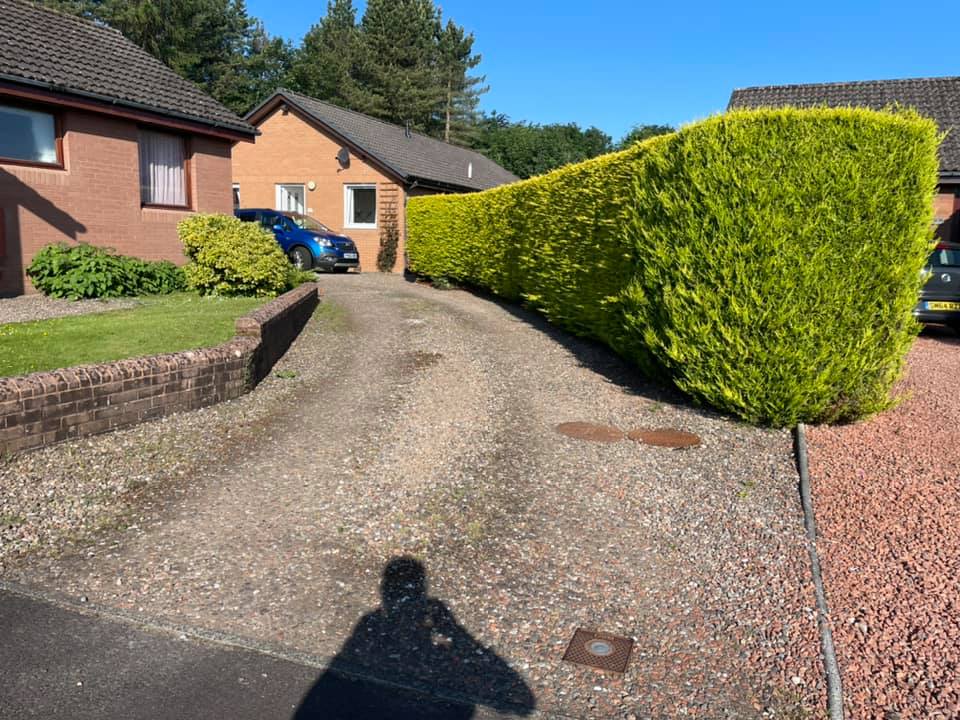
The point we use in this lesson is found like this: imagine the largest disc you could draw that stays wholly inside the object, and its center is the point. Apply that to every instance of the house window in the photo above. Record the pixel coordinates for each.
(360, 206)
(163, 169)
(236, 196)
(291, 198)
(28, 136)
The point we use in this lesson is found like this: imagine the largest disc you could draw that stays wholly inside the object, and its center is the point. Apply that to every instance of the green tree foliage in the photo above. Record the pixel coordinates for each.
(213, 43)
(766, 262)
(461, 90)
(326, 64)
(397, 69)
(526, 149)
(400, 64)
(263, 64)
(639, 133)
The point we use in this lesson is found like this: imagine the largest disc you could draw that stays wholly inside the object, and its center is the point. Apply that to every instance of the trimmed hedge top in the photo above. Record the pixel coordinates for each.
(764, 261)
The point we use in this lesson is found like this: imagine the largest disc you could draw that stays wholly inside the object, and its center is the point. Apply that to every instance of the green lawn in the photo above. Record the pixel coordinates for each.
(159, 324)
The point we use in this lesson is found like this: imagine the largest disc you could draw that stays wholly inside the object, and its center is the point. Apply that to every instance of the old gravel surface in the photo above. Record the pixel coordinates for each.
(25, 308)
(411, 421)
(887, 498)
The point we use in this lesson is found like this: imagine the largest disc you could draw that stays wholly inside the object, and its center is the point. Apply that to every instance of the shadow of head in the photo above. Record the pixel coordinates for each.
(410, 658)
(404, 581)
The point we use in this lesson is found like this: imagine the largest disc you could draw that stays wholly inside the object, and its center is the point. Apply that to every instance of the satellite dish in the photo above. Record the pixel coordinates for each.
(343, 157)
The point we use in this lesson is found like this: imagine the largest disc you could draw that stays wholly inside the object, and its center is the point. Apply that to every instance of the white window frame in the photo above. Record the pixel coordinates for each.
(238, 203)
(348, 206)
(303, 189)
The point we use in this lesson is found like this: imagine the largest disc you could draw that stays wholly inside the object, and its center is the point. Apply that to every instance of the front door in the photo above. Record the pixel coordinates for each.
(291, 198)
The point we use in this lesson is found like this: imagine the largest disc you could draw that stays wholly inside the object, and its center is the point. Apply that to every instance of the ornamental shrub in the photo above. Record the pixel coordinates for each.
(389, 241)
(232, 257)
(83, 271)
(766, 261)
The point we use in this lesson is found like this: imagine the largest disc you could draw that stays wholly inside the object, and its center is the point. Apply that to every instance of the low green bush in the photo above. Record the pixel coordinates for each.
(231, 257)
(766, 262)
(83, 271)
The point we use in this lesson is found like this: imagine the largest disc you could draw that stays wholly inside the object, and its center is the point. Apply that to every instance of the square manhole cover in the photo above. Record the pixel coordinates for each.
(599, 650)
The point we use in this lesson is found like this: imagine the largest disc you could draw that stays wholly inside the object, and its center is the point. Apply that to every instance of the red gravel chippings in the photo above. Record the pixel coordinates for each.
(887, 499)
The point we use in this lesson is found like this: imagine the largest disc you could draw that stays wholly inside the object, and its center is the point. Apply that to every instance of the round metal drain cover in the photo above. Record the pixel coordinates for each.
(665, 437)
(590, 431)
(599, 647)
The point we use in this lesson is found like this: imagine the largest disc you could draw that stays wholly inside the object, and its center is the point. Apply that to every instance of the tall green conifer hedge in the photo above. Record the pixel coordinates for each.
(765, 261)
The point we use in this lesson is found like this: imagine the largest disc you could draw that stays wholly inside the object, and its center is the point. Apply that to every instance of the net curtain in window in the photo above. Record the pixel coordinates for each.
(163, 178)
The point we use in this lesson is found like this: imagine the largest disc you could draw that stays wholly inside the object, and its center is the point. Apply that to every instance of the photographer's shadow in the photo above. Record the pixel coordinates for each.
(416, 651)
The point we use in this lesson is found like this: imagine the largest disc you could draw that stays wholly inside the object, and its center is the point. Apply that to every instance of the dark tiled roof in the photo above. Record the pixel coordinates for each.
(416, 157)
(51, 50)
(937, 98)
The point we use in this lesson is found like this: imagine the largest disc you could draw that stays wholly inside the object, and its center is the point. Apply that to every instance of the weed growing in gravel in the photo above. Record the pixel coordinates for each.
(12, 520)
(443, 283)
(285, 374)
(789, 705)
(331, 316)
(475, 531)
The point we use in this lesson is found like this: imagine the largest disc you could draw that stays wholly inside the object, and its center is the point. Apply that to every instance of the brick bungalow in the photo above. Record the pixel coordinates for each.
(352, 172)
(937, 98)
(100, 142)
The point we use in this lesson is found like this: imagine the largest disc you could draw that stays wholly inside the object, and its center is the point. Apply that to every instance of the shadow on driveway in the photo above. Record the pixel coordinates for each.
(591, 354)
(413, 640)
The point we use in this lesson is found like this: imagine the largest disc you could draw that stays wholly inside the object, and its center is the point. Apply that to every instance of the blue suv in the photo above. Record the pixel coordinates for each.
(307, 242)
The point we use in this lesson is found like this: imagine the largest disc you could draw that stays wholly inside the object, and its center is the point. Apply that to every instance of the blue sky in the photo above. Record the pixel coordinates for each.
(619, 63)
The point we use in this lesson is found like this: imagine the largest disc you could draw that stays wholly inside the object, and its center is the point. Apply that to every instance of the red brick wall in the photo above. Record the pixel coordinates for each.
(48, 407)
(96, 197)
(944, 208)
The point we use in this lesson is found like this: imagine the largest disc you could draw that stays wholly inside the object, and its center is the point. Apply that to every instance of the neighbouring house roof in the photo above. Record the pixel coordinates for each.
(411, 156)
(937, 98)
(48, 50)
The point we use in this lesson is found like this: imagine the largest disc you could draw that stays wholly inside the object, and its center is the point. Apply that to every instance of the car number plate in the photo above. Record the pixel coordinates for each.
(943, 306)
(353, 256)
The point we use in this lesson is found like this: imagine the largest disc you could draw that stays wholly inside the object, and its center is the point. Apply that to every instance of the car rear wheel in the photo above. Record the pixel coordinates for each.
(301, 258)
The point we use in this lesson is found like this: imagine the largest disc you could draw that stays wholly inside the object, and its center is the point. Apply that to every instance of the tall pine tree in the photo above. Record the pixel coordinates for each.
(250, 76)
(455, 60)
(397, 69)
(325, 66)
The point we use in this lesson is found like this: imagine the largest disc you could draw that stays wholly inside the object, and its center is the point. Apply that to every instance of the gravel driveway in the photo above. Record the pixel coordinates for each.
(421, 422)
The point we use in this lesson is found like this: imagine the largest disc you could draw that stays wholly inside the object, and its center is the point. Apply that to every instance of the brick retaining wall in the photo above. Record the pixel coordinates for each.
(48, 407)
